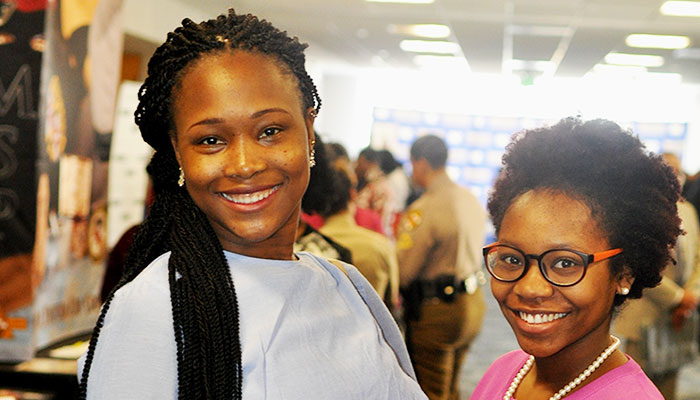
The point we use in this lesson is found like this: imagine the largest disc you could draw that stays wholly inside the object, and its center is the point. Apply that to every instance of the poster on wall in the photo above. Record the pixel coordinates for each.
(67, 164)
(21, 48)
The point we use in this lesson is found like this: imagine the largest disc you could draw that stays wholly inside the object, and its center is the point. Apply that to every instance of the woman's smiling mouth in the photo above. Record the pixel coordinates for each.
(540, 318)
(250, 198)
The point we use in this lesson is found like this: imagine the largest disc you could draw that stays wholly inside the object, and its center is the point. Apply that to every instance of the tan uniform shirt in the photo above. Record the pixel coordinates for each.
(441, 233)
(658, 302)
(372, 253)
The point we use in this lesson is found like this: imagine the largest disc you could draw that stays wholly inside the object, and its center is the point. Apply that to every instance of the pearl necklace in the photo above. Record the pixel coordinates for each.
(571, 385)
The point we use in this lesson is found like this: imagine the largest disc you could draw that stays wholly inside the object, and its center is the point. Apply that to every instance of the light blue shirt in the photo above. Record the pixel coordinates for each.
(307, 332)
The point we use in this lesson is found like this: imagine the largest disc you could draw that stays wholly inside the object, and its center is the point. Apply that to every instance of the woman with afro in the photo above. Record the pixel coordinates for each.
(585, 219)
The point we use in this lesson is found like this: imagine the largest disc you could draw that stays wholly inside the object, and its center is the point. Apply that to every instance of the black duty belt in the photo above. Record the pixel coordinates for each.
(446, 287)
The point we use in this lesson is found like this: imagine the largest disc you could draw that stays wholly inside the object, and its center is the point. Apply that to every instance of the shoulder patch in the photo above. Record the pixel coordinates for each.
(413, 219)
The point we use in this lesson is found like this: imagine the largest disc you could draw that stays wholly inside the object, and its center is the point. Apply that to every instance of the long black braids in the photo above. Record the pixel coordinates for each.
(204, 306)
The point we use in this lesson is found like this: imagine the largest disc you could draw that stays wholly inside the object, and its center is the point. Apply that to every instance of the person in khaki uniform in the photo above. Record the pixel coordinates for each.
(439, 251)
(372, 253)
(672, 299)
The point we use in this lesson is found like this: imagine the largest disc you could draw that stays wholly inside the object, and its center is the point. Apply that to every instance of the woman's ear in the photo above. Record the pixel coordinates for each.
(625, 281)
(309, 119)
(173, 142)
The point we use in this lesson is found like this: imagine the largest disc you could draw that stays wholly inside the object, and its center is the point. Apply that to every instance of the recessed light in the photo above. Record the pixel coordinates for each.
(658, 41)
(428, 61)
(641, 60)
(429, 46)
(681, 8)
(434, 31)
(402, 1)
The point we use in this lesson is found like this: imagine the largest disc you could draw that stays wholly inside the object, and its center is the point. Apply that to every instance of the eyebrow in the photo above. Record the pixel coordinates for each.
(260, 113)
(257, 114)
(554, 246)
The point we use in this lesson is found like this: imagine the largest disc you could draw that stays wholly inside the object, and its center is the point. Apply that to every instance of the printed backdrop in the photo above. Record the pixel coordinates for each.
(476, 143)
(53, 166)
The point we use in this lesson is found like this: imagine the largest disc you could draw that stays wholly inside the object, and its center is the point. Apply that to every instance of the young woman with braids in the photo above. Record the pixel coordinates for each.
(214, 303)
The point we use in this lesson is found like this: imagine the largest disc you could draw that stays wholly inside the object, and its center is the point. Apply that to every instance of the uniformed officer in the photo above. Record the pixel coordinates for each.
(439, 251)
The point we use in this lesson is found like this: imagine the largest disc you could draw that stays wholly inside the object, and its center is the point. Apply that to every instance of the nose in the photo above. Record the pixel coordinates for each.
(245, 157)
(533, 285)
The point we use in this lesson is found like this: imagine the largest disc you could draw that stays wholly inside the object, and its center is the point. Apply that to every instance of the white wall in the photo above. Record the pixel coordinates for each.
(151, 20)
(351, 95)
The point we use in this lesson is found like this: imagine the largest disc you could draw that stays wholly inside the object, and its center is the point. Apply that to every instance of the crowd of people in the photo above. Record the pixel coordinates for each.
(273, 265)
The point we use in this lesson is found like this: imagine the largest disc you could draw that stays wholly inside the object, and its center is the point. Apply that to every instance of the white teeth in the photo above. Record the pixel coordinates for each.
(249, 198)
(540, 318)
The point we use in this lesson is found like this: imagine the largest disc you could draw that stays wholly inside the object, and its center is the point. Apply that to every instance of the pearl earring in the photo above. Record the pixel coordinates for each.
(312, 156)
(181, 179)
(624, 291)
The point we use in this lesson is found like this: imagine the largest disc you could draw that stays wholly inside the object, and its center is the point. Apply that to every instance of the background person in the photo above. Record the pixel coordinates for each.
(365, 217)
(672, 301)
(374, 192)
(317, 202)
(373, 253)
(214, 303)
(400, 185)
(439, 250)
(584, 217)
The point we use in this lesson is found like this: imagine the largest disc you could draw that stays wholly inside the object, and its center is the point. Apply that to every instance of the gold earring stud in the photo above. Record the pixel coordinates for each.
(181, 179)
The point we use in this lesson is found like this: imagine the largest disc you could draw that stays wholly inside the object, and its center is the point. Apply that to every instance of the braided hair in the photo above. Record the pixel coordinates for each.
(202, 292)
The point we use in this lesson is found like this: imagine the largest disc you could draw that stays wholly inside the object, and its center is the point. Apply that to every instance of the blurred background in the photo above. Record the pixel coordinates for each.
(473, 72)
(628, 60)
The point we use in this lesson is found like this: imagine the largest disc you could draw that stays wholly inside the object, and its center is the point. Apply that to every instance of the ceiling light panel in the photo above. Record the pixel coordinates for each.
(642, 60)
(429, 46)
(681, 8)
(424, 60)
(433, 31)
(619, 69)
(657, 41)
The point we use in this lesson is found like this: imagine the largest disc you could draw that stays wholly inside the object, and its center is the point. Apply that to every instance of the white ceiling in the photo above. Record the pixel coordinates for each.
(574, 34)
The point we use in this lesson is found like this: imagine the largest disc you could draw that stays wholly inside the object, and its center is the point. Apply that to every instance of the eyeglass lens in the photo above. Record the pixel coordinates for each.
(561, 267)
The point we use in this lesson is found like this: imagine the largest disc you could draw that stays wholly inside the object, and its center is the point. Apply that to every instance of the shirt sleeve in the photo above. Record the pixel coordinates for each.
(666, 295)
(693, 231)
(135, 356)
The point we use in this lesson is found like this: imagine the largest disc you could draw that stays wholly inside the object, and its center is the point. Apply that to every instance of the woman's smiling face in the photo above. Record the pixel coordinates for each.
(243, 141)
(548, 319)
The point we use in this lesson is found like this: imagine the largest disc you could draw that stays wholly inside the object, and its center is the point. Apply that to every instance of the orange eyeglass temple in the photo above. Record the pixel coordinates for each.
(606, 254)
